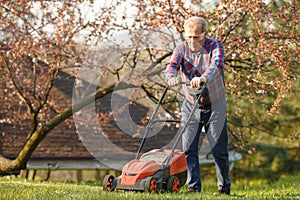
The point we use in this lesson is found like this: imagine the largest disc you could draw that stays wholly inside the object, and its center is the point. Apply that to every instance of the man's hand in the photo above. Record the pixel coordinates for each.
(173, 81)
(196, 81)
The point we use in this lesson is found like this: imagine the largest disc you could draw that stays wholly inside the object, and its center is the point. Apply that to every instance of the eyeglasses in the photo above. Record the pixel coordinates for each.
(196, 37)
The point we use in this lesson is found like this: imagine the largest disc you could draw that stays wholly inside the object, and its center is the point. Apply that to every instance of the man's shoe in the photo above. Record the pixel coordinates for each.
(224, 191)
(193, 190)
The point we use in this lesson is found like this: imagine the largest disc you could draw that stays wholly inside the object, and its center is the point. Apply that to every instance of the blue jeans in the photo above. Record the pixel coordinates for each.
(213, 119)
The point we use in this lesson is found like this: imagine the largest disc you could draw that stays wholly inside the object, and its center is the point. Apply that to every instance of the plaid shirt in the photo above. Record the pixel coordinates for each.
(209, 63)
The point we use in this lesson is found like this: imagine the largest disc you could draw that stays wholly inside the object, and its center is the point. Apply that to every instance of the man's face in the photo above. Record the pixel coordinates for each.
(195, 38)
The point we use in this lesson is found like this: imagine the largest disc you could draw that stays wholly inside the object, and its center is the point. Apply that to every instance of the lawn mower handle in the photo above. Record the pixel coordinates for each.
(150, 120)
(148, 127)
(185, 125)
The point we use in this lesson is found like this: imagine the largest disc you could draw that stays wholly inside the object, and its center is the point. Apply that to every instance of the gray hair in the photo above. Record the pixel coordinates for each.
(195, 21)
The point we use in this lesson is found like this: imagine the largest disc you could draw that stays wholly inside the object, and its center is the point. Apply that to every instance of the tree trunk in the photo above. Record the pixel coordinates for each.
(9, 167)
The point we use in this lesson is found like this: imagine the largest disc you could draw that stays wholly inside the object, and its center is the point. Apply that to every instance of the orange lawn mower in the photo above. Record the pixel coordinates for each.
(158, 170)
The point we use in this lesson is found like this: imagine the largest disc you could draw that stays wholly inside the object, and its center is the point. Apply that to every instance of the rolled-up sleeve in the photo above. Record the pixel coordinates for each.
(175, 63)
(217, 61)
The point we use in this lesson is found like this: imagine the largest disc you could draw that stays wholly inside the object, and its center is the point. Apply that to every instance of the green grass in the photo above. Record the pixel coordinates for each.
(19, 189)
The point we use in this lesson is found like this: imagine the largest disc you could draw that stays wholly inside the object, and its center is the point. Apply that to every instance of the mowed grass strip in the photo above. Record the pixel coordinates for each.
(19, 189)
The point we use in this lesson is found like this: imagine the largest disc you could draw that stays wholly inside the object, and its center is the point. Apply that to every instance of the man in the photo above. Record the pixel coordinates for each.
(200, 60)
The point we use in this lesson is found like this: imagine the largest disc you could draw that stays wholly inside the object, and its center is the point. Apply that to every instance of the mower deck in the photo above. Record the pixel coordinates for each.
(150, 174)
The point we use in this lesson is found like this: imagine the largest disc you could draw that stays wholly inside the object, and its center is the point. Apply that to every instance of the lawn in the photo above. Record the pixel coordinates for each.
(19, 189)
